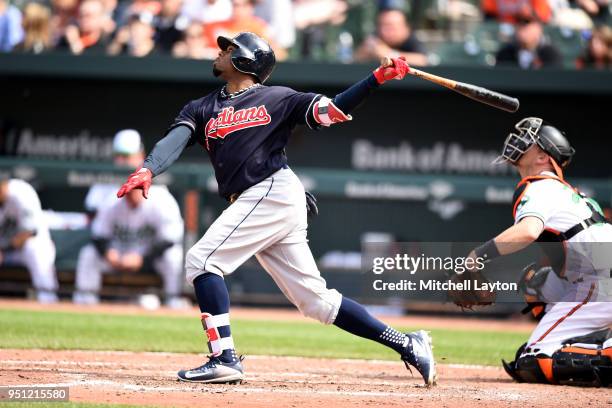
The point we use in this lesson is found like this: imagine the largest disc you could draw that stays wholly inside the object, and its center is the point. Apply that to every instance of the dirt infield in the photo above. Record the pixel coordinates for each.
(149, 378)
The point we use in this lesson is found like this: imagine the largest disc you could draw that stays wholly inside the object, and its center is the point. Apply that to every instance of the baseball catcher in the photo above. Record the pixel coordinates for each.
(244, 127)
(572, 343)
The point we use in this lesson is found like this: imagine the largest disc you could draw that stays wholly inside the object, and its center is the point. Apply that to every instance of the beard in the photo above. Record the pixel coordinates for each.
(216, 71)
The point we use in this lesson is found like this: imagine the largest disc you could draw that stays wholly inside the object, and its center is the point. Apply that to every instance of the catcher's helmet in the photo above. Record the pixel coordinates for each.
(253, 55)
(535, 131)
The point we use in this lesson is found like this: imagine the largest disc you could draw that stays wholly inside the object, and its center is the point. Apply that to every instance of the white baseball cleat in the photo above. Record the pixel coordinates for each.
(418, 353)
(214, 371)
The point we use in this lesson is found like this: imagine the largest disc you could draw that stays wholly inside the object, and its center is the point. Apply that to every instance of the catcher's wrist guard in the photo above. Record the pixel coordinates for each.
(487, 251)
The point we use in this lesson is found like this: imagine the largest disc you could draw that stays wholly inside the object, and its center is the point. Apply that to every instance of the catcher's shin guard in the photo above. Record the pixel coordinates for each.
(583, 366)
(576, 364)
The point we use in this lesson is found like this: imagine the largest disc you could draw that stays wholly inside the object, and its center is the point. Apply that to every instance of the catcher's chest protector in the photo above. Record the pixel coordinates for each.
(555, 254)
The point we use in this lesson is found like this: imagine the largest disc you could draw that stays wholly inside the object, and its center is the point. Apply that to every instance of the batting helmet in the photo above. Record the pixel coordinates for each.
(252, 54)
(535, 131)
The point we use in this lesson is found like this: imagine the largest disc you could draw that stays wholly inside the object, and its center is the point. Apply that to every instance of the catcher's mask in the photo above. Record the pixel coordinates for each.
(532, 131)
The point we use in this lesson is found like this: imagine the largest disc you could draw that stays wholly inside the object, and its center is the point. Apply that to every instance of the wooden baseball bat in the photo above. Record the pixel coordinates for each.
(477, 93)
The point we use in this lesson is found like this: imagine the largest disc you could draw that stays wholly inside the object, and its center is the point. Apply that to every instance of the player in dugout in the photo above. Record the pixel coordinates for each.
(131, 236)
(24, 236)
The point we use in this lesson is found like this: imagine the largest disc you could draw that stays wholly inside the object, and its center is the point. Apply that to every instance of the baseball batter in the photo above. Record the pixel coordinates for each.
(25, 238)
(130, 235)
(244, 127)
(572, 343)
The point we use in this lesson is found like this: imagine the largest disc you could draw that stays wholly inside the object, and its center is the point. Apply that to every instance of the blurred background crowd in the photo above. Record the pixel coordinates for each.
(524, 33)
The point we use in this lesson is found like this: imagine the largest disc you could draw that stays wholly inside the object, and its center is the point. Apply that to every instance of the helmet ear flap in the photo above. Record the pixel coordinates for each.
(554, 142)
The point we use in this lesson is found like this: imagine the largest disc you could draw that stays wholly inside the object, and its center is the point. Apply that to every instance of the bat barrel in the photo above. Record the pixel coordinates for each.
(492, 98)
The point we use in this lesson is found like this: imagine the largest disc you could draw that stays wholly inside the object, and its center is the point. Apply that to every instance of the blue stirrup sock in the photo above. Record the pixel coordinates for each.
(213, 299)
(355, 319)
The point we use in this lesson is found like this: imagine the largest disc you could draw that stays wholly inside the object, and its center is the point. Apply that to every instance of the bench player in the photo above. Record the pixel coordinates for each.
(244, 126)
(132, 235)
(25, 238)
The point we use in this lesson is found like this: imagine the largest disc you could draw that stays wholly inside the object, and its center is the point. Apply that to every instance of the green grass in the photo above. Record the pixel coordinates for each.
(64, 331)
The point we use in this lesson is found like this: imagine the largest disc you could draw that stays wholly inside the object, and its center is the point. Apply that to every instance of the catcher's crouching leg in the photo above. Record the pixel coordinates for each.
(580, 365)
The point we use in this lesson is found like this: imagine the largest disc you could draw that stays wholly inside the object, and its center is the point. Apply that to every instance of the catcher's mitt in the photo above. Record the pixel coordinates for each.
(470, 296)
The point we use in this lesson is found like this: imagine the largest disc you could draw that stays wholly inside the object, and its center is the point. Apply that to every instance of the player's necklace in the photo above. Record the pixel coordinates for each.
(225, 94)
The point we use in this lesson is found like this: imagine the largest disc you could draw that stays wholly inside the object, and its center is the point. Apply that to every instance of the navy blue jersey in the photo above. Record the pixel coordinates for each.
(246, 135)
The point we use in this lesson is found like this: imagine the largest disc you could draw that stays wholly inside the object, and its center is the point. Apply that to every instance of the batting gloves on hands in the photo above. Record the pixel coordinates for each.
(391, 68)
(140, 179)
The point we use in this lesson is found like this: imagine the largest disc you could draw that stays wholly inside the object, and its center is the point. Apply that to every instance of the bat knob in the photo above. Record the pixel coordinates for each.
(386, 62)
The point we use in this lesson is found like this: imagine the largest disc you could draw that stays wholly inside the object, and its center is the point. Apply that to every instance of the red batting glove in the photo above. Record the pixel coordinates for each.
(141, 179)
(397, 70)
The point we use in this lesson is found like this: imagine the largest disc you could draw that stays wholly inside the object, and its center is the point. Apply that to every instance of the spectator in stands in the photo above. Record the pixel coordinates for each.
(278, 15)
(564, 15)
(313, 19)
(193, 45)
(207, 11)
(89, 34)
(37, 27)
(24, 237)
(128, 152)
(170, 25)
(598, 10)
(136, 39)
(455, 11)
(134, 235)
(528, 50)
(127, 9)
(394, 37)
(63, 14)
(316, 12)
(111, 11)
(11, 30)
(243, 19)
(511, 11)
(599, 50)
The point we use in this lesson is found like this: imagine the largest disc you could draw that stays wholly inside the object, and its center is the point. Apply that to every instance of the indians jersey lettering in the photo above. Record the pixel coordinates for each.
(245, 136)
(228, 121)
